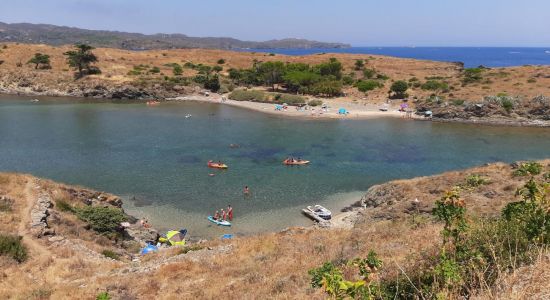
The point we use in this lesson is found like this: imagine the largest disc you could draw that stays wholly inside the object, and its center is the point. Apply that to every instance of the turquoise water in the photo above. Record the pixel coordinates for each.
(159, 157)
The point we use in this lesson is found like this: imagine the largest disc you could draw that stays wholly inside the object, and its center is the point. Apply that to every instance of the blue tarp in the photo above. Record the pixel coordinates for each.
(342, 111)
(148, 249)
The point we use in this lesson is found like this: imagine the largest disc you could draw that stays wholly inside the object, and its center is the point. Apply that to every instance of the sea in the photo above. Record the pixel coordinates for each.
(470, 56)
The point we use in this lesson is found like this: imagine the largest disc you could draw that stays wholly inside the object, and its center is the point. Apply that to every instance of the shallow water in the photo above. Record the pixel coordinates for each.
(159, 157)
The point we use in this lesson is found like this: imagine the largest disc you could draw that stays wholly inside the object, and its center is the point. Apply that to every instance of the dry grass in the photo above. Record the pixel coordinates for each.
(116, 63)
(270, 266)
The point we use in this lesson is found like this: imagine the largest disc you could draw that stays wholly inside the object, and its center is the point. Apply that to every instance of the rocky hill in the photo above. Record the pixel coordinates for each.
(66, 258)
(62, 35)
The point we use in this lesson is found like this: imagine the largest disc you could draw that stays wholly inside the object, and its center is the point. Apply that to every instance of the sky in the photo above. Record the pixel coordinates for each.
(357, 22)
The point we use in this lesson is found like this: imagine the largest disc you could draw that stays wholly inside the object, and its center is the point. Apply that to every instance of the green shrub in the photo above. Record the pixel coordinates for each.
(434, 85)
(347, 80)
(531, 80)
(507, 104)
(252, 95)
(289, 99)
(63, 205)
(110, 254)
(528, 168)
(221, 61)
(472, 75)
(457, 102)
(102, 219)
(11, 246)
(368, 85)
(103, 296)
(475, 180)
(315, 102)
(317, 274)
(217, 69)
(177, 70)
(154, 70)
(399, 88)
(5, 204)
(369, 73)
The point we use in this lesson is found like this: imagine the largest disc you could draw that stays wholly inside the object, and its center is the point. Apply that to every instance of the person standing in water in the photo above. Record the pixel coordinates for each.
(230, 212)
(246, 191)
(224, 215)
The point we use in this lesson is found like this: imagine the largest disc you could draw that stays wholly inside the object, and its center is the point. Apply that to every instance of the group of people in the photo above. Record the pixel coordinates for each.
(291, 159)
(224, 215)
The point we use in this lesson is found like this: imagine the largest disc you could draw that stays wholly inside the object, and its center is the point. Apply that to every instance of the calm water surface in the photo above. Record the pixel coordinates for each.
(470, 56)
(159, 157)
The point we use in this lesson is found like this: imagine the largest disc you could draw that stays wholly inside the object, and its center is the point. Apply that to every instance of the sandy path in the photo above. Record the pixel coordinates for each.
(23, 227)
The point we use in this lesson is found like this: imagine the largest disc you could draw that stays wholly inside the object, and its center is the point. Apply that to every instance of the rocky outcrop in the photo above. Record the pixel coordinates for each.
(39, 216)
(89, 197)
(142, 235)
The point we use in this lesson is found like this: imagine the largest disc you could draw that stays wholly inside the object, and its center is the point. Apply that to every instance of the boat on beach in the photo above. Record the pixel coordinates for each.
(214, 165)
(219, 222)
(318, 211)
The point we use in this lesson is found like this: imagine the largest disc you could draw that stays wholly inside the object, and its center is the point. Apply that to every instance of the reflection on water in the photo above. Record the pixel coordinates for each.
(159, 157)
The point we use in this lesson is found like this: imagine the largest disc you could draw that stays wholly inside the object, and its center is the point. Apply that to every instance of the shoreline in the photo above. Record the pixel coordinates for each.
(356, 110)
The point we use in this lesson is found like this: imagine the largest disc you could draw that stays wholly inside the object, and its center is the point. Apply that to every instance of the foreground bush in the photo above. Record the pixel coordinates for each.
(101, 219)
(528, 168)
(11, 246)
(473, 256)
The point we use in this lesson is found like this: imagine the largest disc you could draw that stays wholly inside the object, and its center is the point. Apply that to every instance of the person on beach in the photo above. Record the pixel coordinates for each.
(224, 215)
(246, 191)
(230, 212)
(217, 215)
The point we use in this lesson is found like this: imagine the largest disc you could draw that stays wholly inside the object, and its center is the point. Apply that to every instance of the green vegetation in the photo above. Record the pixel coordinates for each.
(368, 85)
(331, 278)
(11, 246)
(154, 70)
(103, 296)
(472, 75)
(110, 254)
(473, 256)
(259, 96)
(531, 80)
(475, 180)
(5, 204)
(434, 85)
(399, 88)
(528, 168)
(324, 79)
(82, 59)
(369, 73)
(315, 102)
(359, 64)
(64, 206)
(457, 102)
(177, 70)
(105, 220)
(221, 61)
(40, 61)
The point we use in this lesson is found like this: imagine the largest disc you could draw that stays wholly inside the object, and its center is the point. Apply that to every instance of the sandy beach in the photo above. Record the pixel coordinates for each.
(355, 110)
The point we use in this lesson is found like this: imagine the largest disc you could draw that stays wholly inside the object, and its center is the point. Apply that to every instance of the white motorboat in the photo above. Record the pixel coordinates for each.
(320, 212)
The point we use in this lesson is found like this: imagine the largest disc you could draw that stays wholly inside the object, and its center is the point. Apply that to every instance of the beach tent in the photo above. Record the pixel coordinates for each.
(149, 249)
(175, 238)
(278, 107)
(342, 111)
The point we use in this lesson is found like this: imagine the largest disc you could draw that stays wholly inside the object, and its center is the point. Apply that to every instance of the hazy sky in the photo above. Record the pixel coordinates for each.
(359, 22)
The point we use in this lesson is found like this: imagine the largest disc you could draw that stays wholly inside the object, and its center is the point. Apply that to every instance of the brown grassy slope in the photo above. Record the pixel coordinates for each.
(116, 63)
(270, 265)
